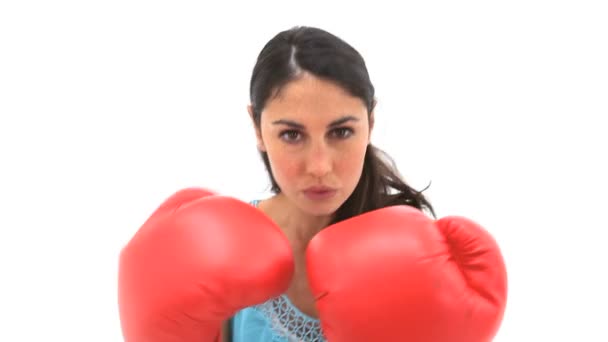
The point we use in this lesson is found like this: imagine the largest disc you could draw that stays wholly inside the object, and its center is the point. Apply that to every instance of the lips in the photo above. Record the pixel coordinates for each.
(319, 189)
(319, 193)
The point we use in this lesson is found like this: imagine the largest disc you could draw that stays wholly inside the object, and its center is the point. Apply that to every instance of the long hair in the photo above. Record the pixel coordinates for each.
(313, 50)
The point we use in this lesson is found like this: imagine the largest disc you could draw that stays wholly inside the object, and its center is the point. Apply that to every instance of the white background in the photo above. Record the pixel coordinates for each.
(108, 107)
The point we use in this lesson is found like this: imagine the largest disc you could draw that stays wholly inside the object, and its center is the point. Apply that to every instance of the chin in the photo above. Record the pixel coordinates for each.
(321, 208)
(321, 213)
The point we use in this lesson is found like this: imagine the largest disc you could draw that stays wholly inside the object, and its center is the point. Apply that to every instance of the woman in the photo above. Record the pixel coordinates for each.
(342, 245)
(312, 106)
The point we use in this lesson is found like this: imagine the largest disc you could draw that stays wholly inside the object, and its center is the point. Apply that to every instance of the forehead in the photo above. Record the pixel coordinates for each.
(309, 98)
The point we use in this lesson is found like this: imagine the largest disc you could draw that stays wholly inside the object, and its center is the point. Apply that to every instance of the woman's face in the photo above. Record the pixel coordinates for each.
(316, 135)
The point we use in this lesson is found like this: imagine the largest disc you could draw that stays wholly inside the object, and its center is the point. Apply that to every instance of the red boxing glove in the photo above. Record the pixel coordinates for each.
(396, 275)
(196, 261)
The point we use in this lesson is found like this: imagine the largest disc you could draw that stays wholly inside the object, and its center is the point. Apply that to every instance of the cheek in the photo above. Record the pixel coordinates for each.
(350, 164)
(284, 165)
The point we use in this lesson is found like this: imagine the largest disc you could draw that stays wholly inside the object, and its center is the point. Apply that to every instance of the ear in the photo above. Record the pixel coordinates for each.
(372, 119)
(371, 125)
(258, 133)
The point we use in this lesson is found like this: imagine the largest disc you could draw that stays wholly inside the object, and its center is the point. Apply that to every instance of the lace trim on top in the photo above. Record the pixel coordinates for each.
(287, 322)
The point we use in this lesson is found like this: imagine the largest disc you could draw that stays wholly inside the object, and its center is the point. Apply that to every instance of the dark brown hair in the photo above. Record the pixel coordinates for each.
(318, 52)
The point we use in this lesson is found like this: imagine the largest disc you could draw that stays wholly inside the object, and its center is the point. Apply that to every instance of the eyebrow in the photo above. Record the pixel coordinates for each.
(334, 123)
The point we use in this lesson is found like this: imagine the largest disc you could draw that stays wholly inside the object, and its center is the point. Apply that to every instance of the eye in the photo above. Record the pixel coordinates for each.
(342, 132)
(290, 136)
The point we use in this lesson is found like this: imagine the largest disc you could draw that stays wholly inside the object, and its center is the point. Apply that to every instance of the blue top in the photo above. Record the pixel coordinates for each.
(276, 320)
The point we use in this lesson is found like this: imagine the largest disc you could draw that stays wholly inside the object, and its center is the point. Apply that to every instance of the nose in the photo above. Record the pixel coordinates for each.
(319, 160)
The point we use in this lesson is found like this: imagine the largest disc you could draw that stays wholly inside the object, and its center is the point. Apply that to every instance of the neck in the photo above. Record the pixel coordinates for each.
(299, 226)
